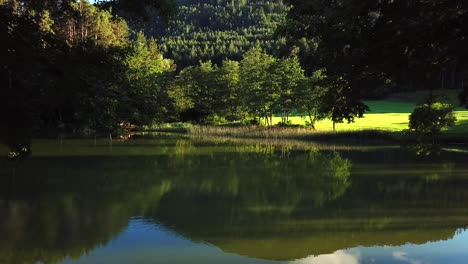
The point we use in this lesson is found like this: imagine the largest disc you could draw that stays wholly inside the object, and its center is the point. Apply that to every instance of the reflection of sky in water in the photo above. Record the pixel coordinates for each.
(451, 251)
(144, 243)
(338, 257)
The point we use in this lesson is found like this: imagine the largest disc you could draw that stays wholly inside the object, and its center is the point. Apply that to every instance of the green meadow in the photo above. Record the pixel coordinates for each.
(392, 113)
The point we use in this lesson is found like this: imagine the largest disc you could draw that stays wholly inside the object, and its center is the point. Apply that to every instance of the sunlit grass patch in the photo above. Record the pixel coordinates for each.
(392, 122)
(392, 114)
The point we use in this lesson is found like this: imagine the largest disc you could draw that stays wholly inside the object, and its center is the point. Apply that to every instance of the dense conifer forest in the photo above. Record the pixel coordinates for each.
(219, 29)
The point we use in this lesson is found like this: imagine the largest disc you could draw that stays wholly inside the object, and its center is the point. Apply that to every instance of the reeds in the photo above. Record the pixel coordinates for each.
(300, 133)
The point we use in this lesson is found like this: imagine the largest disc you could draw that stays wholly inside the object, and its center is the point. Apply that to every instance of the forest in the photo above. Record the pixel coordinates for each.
(84, 68)
(216, 30)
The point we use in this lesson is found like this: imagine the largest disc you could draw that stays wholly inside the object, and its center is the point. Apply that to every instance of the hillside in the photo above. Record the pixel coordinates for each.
(219, 29)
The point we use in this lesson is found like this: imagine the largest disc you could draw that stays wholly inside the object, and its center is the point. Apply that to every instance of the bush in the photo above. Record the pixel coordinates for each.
(288, 124)
(428, 120)
(432, 118)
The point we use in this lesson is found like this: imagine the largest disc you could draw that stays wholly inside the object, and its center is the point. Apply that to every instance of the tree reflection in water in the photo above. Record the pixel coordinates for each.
(258, 200)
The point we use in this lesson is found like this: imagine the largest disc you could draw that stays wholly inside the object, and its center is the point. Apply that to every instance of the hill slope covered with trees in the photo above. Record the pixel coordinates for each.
(219, 29)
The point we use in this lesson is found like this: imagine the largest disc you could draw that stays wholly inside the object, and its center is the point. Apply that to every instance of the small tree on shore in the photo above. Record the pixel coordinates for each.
(309, 96)
(429, 119)
(340, 103)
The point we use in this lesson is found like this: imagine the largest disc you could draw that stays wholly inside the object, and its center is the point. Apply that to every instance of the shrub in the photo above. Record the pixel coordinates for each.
(428, 120)
(288, 124)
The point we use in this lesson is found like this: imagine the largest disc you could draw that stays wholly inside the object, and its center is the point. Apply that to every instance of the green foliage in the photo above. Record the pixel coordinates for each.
(70, 67)
(310, 95)
(208, 92)
(194, 94)
(429, 119)
(287, 76)
(259, 87)
(148, 75)
(142, 9)
(340, 103)
(377, 44)
(258, 91)
(87, 95)
(23, 71)
(217, 30)
(228, 81)
(425, 123)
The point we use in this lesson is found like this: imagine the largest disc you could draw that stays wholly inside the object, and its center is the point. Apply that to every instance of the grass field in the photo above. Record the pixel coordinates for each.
(392, 114)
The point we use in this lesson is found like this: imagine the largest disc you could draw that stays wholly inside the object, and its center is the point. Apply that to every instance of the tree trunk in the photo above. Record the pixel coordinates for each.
(334, 126)
(81, 22)
(312, 120)
(110, 140)
(271, 118)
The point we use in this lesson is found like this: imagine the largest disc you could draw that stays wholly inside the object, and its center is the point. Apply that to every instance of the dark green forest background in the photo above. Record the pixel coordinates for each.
(219, 29)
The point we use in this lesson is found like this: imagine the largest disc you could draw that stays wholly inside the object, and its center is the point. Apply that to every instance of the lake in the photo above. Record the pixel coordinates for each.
(165, 198)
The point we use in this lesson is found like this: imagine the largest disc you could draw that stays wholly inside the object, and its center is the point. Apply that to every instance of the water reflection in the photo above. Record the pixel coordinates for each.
(260, 201)
(340, 256)
(142, 243)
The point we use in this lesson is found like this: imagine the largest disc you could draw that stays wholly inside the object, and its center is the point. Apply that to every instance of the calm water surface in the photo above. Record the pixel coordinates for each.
(170, 199)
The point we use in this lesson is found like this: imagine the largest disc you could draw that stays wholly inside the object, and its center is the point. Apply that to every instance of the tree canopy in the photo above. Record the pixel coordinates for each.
(376, 43)
(71, 67)
(219, 29)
